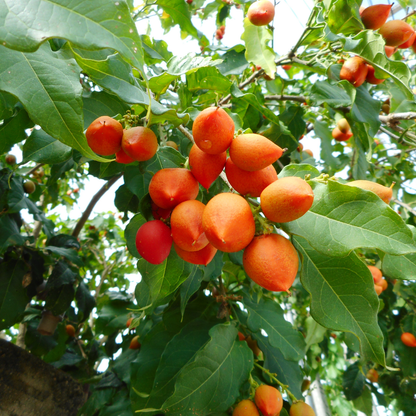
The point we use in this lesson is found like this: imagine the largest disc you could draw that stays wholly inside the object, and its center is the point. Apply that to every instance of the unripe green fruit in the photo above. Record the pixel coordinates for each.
(29, 187)
(11, 160)
(301, 409)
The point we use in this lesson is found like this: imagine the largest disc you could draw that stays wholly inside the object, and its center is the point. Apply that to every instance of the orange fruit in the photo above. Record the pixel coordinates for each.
(408, 339)
(123, 157)
(261, 13)
(287, 199)
(343, 125)
(213, 130)
(354, 70)
(301, 409)
(383, 284)
(140, 143)
(396, 32)
(135, 344)
(104, 136)
(376, 273)
(272, 262)
(269, 400)
(228, 222)
(186, 226)
(70, 330)
(375, 16)
(372, 375)
(254, 152)
(249, 183)
(384, 192)
(339, 136)
(371, 77)
(378, 289)
(246, 408)
(203, 256)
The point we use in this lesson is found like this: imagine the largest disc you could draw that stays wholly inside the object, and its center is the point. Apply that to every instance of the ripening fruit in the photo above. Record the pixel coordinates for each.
(306, 383)
(286, 67)
(228, 222)
(213, 130)
(70, 330)
(409, 42)
(269, 400)
(383, 284)
(371, 77)
(372, 375)
(205, 167)
(171, 186)
(286, 199)
(261, 13)
(160, 213)
(172, 144)
(271, 261)
(389, 50)
(11, 160)
(241, 336)
(354, 70)
(254, 152)
(408, 339)
(140, 143)
(343, 125)
(203, 256)
(382, 191)
(301, 409)
(246, 408)
(375, 16)
(122, 157)
(249, 183)
(134, 343)
(128, 322)
(376, 273)
(378, 289)
(252, 344)
(339, 136)
(29, 187)
(396, 32)
(309, 152)
(186, 226)
(153, 241)
(104, 136)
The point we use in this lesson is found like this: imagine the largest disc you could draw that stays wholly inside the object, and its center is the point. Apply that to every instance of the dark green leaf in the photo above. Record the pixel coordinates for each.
(68, 253)
(300, 171)
(10, 232)
(85, 301)
(208, 79)
(353, 382)
(130, 233)
(343, 17)
(190, 286)
(125, 200)
(327, 92)
(234, 63)
(364, 403)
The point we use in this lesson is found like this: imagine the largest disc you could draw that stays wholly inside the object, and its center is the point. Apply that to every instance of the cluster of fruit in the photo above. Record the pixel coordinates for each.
(219, 34)
(380, 283)
(269, 401)
(342, 132)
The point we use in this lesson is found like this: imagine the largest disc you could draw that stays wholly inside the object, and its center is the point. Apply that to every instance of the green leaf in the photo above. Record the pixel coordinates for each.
(42, 148)
(10, 234)
(190, 286)
(342, 219)
(366, 110)
(343, 17)
(188, 64)
(343, 297)
(85, 301)
(327, 92)
(299, 170)
(49, 89)
(109, 26)
(315, 332)
(400, 267)
(258, 52)
(13, 296)
(125, 200)
(353, 382)
(234, 63)
(130, 233)
(212, 381)
(364, 403)
(267, 315)
(7, 105)
(68, 253)
(208, 79)
(156, 51)
(292, 117)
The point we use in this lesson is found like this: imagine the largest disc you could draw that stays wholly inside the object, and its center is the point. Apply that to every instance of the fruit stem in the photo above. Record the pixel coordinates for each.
(284, 387)
(149, 109)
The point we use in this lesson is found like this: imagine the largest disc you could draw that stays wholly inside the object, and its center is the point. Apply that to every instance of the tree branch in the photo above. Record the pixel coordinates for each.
(186, 133)
(298, 98)
(92, 203)
(39, 165)
(394, 118)
(408, 207)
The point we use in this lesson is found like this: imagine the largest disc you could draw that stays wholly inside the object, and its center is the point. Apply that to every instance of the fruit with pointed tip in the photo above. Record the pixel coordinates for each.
(372, 375)
(140, 143)
(343, 125)
(104, 136)
(376, 273)
(268, 400)
(11, 160)
(246, 408)
(301, 409)
(154, 241)
(134, 343)
(123, 157)
(228, 222)
(409, 42)
(339, 136)
(286, 199)
(70, 330)
(408, 339)
(371, 78)
(309, 152)
(254, 152)
(373, 17)
(29, 187)
(272, 262)
(286, 67)
(354, 70)
(213, 130)
(171, 186)
(261, 12)
(202, 257)
(396, 32)
(382, 191)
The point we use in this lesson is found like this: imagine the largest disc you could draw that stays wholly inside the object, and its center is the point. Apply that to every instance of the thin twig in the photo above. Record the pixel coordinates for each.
(186, 133)
(408, 207)
(298, 98)
(39, 165)
(410, 14)
(393, 118)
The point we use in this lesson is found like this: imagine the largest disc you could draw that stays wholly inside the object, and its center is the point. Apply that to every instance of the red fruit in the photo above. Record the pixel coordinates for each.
(202, 257)
(301, 409)
(213, 130)
(269, 400)
(171, 186)
(371, 77)
(271, 261)
(249, 183)
(339, 136)
(375, 16)
(246, 408)
(354, 70)
(389, 50)
(261, 13)
(219, 34)
(122, 157)
(372, 375)
(128, 322)
(396, 32)
(189, 1)
(140, 143)
(134, 343)
(205, 167)
(254, 152)
(186, 226)
(286, 67)
(408, 339)
(160, 213)
(153, 241)
(409, 42)
(241, 336)
(376, 273)
(104, 136)
(70, 330)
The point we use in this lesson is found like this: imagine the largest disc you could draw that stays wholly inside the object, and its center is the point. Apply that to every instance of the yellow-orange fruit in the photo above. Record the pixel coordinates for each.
(372, 375)
(70, 330)
(343, 125)
(376, 273)
(269, 400)
(249, 183)
(228, 222)
(409, 42)
(396, 32)
(254, 152)
(213, 130)
(378, 289)
(382, 191)
(375, 16)
(203, 256)
(186, 226)
(246, 408)
(261, 13)
(205, 167)
(172, 144)
(354, 70)
(252, 344)
(104, 136)
(389, 50)
(339, 136)
(371, 77)
(301, 409)
(309, 152)
(286, 199)
(171, 186)
(271, 261)
(408, 339)
(140, 143)
(383, 284)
